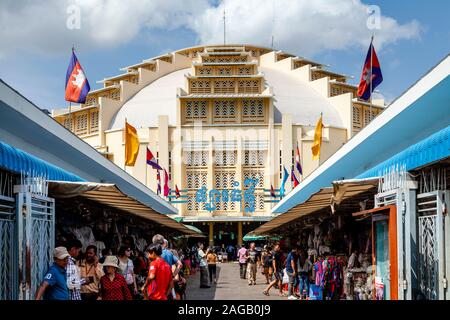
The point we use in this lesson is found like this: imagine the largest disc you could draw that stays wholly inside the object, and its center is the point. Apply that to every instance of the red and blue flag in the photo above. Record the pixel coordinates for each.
(158, 179)
(294, 178)
(371, 75)
(151, 160)
(77, 85)
(297, 162)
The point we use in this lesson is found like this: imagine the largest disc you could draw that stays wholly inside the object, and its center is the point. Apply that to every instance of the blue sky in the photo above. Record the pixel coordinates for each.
(34, 60)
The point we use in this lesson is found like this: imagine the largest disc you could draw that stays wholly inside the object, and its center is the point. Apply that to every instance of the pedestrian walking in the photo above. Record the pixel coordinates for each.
(203, 267)
(291, 270)
(267, 263)
(126, 268)
(90, 268)
(242, 256)
(54, 285)
(211, 259)
(159, 282)
(252, 260)
(113, 285)
(74, 280)
(278, 271)
(304, 268)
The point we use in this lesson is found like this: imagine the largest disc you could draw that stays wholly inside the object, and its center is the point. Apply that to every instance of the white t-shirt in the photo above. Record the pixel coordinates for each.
(202, 255)
(126, 269)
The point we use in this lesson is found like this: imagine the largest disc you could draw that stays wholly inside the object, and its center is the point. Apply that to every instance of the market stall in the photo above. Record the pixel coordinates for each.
(100, 214)
(338, 244)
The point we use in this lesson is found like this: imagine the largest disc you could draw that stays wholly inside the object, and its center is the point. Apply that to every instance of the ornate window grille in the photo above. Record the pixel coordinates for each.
(259, 188)
(224, 111)
(205, 71)
(81, 123)
(337, 89)
(245, 70)
(224, 86)
(357, 123)
(196, 110)
(93, 126)
(224, 71)
(68, 123)
(223, 180)
(200, 86)
(225, 158)
(193, 205)
(253, 110)
(254, 158)
(196, 179)
(90, 101)
(249, 86)
(196, 158)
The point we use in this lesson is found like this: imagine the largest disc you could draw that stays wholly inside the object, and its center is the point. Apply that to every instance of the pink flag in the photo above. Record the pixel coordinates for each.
(166, 183)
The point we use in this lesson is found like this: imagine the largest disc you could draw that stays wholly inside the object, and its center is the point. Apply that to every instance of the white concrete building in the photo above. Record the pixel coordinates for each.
(215, 115)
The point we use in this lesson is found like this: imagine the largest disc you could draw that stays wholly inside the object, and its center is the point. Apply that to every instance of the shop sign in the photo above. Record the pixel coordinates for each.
(214, 196)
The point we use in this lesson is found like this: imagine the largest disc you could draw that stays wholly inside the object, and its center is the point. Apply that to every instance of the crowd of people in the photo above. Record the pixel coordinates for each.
(297, 274)
(156, 274)
(160, 273)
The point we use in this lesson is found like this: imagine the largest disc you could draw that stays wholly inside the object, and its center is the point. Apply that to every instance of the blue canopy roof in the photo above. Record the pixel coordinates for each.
(432, 149)
(18, 161)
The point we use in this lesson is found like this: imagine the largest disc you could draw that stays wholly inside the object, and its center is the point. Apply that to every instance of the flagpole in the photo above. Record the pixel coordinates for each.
(125, 133)
(371, 78)
(321, 129)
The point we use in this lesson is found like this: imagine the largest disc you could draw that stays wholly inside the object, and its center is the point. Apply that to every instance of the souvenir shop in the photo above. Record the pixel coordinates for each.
(343, 243)
(92, 216)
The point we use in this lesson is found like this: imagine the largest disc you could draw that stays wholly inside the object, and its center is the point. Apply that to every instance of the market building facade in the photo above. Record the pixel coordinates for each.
(217, 117)
(392, 207)
(55, 188)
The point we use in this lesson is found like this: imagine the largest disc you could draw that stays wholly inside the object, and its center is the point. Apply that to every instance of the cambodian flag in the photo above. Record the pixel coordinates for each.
(371, 75)
(177, 192)
(166, 183)
(77, 85)
(297, 162)
(151, 160)
(294, 178)
(158, 179)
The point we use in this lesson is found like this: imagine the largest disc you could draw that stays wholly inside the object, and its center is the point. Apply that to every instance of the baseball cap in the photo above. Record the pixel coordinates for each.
(60, 253)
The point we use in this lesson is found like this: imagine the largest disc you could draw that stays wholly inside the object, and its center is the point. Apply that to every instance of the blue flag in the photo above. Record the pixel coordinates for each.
(283, 183)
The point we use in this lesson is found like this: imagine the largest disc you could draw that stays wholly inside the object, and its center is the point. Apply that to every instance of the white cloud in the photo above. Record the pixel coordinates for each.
(35, 25)
(301, 26)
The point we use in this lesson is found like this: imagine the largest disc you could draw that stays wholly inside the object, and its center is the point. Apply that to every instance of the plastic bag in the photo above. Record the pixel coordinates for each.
(285, 277)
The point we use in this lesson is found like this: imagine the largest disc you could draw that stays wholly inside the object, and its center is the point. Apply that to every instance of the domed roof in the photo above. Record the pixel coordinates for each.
(291, 96)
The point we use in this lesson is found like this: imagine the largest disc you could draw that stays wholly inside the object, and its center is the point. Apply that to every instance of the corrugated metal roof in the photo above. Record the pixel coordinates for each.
(432, 149)
(19, 161)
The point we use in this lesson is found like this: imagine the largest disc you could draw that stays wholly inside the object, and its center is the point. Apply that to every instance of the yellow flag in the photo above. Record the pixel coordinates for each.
(131, 145)
(317, 139)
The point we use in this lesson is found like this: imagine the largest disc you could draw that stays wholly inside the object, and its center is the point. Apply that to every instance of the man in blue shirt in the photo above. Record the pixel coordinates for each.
(54, 285)
(291, 270)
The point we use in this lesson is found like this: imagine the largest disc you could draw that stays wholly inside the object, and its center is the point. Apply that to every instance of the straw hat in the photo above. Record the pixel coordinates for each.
(111, 261)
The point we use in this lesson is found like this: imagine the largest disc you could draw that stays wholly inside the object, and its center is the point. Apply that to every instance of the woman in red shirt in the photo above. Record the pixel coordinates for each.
(113, 285)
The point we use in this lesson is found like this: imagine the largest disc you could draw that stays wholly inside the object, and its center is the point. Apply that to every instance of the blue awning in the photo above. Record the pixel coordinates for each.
(432, 149)
(19, 161)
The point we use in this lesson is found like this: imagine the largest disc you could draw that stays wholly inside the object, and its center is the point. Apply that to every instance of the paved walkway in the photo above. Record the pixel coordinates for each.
(229, 286)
